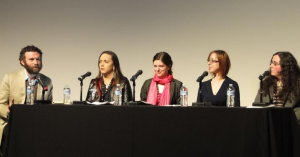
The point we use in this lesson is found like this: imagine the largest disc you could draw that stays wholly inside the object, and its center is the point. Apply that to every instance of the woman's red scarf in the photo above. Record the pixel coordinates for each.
(153, 91)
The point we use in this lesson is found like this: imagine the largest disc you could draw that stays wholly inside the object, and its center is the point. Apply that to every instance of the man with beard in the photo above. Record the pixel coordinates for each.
(14, 85)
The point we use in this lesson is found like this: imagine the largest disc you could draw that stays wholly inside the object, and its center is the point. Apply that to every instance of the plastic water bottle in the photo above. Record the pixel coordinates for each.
(183, 96)
(67, 92)
(28, 95)
(118, 96)
(230, 96)
(93, 92)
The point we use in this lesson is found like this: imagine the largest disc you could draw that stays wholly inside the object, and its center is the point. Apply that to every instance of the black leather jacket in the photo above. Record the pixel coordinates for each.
(125, 88)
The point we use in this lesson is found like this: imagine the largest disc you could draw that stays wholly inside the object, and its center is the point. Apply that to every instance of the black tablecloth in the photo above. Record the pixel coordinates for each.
(139, 131)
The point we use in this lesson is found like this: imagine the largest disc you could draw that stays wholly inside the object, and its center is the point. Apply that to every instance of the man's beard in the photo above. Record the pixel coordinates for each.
(33, 70)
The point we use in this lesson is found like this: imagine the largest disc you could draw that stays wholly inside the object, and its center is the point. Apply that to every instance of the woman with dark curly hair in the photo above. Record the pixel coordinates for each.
(282, 87)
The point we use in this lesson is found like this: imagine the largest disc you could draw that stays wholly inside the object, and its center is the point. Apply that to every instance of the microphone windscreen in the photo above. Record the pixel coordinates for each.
(88, 74)
(139, 72)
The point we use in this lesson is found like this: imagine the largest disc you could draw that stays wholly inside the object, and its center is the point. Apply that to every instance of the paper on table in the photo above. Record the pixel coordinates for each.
(176, 105)
(164, 105)
(271, 105)
(101, 103)
(145, 102)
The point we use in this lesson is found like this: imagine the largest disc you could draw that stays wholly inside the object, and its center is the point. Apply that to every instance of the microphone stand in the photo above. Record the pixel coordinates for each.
(260, 103)
(43, 101)
(81, 84)
(260, 90)
(80, 102)
(133, 90)
(200, 90)
(200, 103)
(133, 102)
(43, 94)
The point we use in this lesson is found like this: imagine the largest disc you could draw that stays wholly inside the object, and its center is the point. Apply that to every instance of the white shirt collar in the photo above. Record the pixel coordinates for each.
(26, 77)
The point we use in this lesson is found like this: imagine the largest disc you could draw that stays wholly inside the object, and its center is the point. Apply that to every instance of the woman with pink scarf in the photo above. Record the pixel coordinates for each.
(162, 89)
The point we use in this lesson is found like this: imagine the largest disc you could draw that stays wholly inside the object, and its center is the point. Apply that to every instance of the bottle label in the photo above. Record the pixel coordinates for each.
(66, 91)
(117, 93)
(29, 91)
(182, 92)
(230, 92)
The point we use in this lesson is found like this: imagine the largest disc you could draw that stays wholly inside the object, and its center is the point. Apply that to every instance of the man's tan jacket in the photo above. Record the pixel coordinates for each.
(13, 86)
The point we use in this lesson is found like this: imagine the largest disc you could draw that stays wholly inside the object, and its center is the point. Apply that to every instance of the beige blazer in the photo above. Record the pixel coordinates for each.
(13, 86)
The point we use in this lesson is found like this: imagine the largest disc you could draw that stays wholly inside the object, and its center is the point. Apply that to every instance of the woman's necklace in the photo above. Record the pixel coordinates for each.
(105, 90)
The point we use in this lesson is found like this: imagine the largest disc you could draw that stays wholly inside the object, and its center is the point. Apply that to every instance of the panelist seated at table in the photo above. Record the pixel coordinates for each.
(215, 89)
(102, 88)
(162, 89)
(282, 86)
(14, 85)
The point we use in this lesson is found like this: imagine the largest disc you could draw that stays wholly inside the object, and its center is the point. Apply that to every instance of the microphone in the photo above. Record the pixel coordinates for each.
(200, 78)
(45, 88)
(266, 73)
(82, 77)
(138, 73)
(41, 83)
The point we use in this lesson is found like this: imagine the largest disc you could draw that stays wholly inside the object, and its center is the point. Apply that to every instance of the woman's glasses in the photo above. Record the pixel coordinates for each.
(212, 61)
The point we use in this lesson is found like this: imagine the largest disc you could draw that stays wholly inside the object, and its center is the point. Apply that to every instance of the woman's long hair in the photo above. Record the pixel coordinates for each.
(118, 76)
(290, 73)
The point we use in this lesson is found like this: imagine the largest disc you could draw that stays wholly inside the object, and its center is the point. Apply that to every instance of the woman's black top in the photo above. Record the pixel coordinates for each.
(220, 98)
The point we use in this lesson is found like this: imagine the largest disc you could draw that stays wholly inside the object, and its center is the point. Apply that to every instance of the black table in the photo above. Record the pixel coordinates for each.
(141, 131)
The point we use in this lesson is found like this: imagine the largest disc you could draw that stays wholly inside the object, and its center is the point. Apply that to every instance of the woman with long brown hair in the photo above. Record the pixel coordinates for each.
(102, 88)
